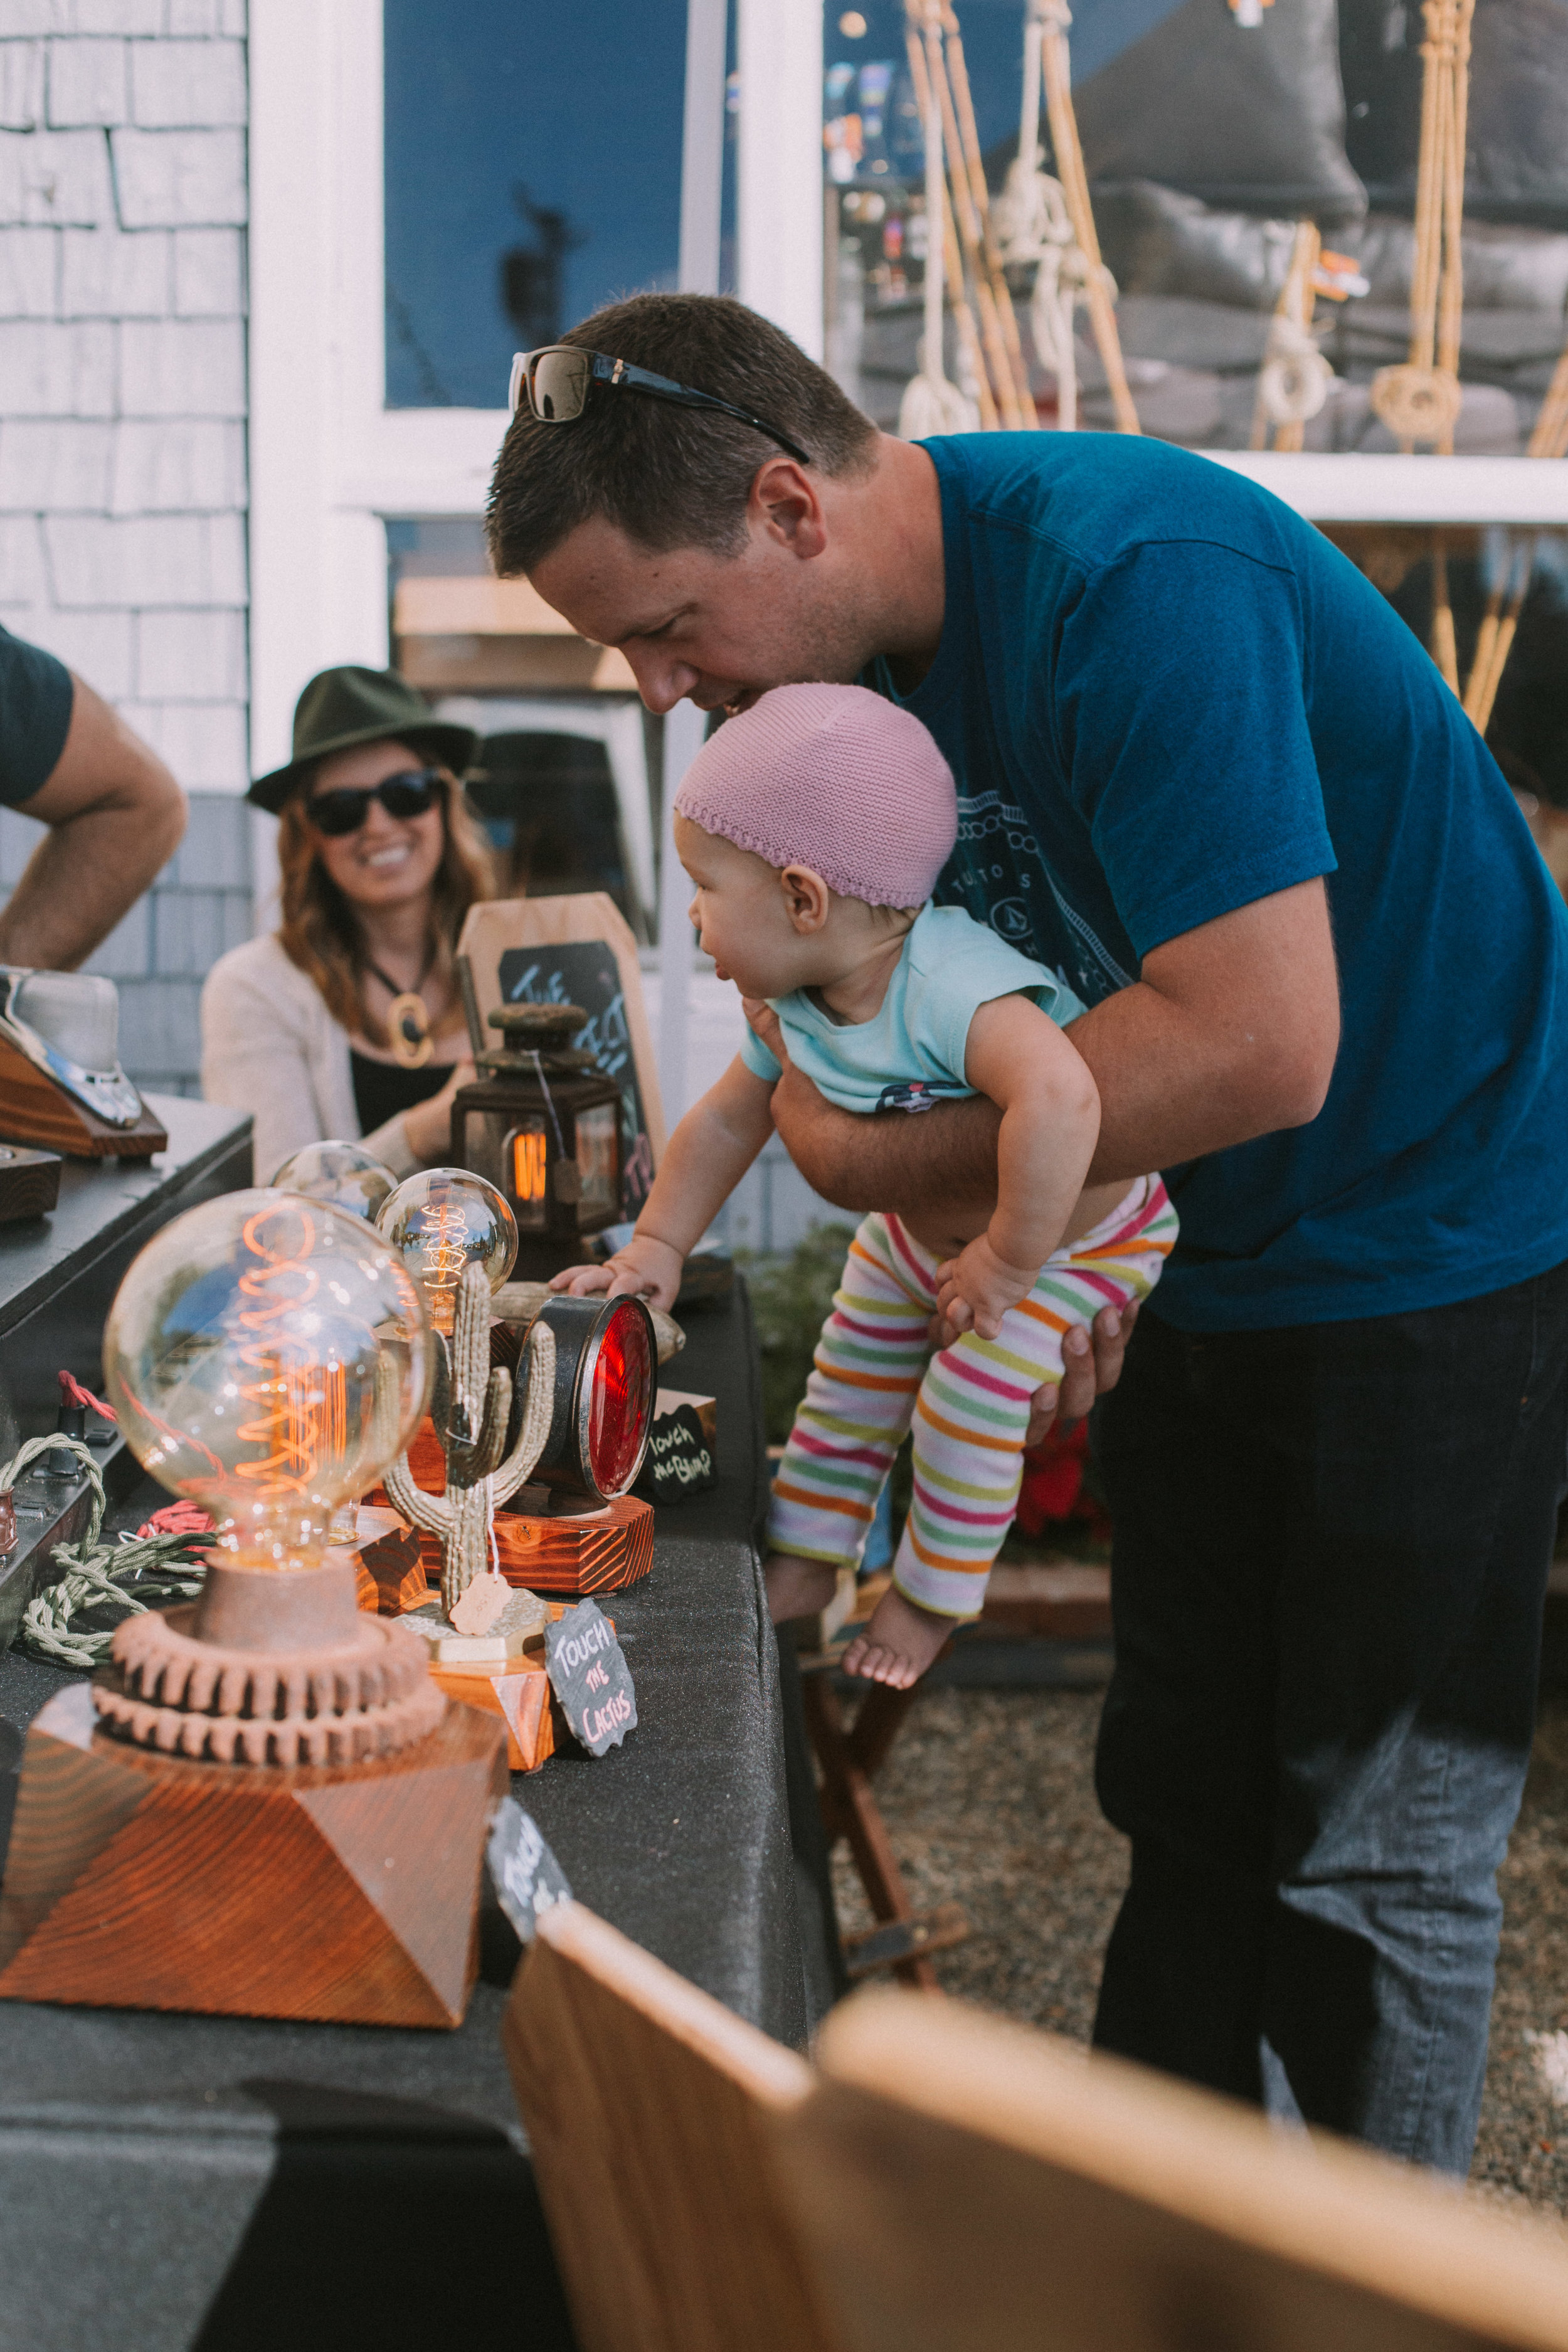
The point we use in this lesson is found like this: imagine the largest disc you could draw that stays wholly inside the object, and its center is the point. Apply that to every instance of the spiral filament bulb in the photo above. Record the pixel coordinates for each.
(444, 1257)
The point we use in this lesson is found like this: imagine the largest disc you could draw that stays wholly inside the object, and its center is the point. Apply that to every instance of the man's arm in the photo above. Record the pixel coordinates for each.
(1231, 1032)
(115, 816)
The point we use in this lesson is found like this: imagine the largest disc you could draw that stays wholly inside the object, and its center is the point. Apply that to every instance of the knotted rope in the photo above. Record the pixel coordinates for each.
(1420, 400)
(95, 1571)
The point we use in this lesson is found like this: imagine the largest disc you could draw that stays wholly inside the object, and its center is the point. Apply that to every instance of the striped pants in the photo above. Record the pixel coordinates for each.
(875, 1374)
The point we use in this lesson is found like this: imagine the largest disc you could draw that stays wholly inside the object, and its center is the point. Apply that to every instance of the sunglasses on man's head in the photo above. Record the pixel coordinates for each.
(413, 793)
(557, 379)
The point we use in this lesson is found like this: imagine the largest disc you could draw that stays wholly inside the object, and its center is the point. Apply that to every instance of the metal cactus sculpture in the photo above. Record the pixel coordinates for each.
(471, 1409)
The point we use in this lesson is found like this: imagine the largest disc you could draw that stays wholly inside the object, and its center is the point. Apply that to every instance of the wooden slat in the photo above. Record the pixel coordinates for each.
(645, 2102)
(966, 2185)
(478, 607)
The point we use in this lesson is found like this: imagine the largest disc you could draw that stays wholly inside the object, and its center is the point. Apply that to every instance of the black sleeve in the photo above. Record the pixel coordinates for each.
(36, 696)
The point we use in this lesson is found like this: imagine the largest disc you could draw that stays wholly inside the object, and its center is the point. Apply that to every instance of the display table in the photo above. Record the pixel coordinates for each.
(172, 2182)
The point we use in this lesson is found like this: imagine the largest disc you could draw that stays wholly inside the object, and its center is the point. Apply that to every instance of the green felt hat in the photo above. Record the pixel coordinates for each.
(342, 708)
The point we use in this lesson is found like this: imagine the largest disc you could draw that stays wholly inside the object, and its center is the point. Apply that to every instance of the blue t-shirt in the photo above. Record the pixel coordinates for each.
(1164, 695)
(910, 1054)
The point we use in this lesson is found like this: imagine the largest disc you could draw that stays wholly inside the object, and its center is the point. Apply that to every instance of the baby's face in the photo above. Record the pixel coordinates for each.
(742, 915)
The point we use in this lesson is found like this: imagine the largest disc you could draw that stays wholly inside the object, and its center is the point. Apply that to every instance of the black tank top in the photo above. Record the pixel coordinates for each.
(382, 1089)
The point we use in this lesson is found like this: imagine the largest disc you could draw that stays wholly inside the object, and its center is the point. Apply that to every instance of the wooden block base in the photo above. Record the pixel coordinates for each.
(601, 1552)
(389, 1568)
(520, 1693)
(347, 1894)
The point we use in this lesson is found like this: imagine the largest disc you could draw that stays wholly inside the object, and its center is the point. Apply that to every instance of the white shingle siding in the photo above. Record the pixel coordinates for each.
(122, 437)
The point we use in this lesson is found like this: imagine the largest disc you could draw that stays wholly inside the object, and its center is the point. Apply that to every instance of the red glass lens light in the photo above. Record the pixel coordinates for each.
(621, 1405)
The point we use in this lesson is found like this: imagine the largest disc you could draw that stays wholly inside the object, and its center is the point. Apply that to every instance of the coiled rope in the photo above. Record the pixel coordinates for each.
(96, 1572)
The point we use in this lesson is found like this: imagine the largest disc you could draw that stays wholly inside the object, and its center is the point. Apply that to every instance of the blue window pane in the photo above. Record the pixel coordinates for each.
(533, 173)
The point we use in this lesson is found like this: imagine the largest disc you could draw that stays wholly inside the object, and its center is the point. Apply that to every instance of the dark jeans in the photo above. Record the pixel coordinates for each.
(1331, 1547)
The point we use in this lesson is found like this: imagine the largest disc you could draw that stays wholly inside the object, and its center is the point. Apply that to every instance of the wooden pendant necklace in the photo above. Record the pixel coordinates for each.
(407, 1020)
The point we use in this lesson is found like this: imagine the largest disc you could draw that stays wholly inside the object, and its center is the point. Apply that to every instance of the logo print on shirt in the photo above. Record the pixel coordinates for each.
(996, 849)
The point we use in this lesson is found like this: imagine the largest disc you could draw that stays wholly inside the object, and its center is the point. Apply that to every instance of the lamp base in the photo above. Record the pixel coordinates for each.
(343, 1893)
(577, 1552)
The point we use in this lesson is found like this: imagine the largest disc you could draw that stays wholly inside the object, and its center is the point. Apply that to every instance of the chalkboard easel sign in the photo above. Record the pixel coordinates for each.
(578, 950)
(590, 1676)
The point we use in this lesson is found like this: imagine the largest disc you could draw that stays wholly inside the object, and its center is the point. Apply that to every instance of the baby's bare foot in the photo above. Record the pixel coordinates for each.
(797, 1588)
(900, 1642)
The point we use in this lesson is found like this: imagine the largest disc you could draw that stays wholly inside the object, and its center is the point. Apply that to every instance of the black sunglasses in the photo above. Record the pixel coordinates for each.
(557, 379)
(413, 793)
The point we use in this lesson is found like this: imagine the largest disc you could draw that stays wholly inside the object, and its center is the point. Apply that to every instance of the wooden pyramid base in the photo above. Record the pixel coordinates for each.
(347, 1894)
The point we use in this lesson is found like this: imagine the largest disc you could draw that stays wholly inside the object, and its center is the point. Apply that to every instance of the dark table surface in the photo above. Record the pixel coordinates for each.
(172, 2182)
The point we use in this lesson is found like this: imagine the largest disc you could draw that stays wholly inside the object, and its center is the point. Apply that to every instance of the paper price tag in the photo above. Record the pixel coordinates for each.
(528, 1878)
(590, 1677)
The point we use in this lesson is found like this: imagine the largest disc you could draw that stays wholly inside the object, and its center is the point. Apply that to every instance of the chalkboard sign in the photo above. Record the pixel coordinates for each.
(527, 1877)
(681, 1448)
(590, 1677)
(585, 973)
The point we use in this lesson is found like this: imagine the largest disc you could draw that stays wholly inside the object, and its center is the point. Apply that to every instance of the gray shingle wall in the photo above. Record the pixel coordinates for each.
(123, 459)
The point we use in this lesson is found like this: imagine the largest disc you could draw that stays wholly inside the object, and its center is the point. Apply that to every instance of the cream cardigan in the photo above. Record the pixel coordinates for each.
(271, 1046)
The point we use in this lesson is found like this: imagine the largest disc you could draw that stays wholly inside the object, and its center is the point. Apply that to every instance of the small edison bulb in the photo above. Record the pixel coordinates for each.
(346, 1174)
(443, 1222)
(268, 1356)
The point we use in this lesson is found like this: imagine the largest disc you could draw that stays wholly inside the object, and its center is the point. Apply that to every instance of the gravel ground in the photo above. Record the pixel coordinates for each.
(989, 1799)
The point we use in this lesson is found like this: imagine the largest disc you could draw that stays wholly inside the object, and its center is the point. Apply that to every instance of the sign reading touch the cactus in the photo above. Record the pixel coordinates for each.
(590, 1677)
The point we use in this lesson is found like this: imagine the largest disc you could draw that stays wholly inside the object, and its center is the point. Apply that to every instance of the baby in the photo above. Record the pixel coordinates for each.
(814, 827)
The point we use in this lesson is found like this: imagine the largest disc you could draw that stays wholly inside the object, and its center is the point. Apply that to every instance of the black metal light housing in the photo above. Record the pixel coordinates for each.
(606, 1375)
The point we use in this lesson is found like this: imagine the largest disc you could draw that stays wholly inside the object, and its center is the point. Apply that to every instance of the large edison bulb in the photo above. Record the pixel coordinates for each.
(268, 1356)
(443, 1222)
(346, 1174)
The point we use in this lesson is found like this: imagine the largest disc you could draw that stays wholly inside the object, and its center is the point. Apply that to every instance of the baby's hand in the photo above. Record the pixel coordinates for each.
(646, 1268)
(974, 1290)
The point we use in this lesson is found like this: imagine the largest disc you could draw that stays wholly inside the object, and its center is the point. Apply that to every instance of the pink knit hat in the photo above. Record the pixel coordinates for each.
(835, 778)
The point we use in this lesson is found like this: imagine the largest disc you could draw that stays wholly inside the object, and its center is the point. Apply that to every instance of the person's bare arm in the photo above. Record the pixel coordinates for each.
(1231, 1032)
(115, 816)
(704, 1161)
(1050, 1118)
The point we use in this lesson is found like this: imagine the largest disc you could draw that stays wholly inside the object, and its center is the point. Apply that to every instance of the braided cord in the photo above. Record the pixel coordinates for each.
(94, 1571)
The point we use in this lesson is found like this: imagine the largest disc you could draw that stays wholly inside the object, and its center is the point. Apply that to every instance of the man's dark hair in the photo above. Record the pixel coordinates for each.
(667, 475)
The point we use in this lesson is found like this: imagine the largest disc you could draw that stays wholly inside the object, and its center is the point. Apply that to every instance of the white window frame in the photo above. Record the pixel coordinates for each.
(329, 460)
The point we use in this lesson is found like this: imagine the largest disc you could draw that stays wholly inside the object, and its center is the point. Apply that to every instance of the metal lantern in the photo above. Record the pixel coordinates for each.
(544, 1126)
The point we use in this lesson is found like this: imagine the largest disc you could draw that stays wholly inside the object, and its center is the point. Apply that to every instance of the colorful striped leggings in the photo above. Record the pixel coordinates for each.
(875, 1374)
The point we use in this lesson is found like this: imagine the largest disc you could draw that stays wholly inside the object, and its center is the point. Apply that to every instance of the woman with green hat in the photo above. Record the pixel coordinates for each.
(346, 1020)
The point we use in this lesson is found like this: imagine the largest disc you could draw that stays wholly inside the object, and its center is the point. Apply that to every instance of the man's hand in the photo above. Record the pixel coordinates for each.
(1088, 1371)
(974, 1290)
(768, 1026)
(646, 1268)
(115, 816)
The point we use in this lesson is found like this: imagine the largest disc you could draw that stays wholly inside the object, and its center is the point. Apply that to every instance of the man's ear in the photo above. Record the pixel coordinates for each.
(783, 502)
(806, 898)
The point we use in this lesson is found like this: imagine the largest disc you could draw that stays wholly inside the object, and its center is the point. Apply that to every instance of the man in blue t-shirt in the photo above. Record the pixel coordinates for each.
(1207, 775)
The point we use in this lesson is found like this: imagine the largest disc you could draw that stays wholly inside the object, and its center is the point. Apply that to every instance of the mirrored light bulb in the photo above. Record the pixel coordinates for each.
(267, 1356)
(346, 1174)
(441, 1223)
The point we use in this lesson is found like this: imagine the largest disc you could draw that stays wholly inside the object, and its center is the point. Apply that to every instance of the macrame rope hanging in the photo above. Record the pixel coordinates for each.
(1050, 222)
(1500, 623)
(1420, 399)
(1013, 360)
(1293, 381)
(931, 402)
